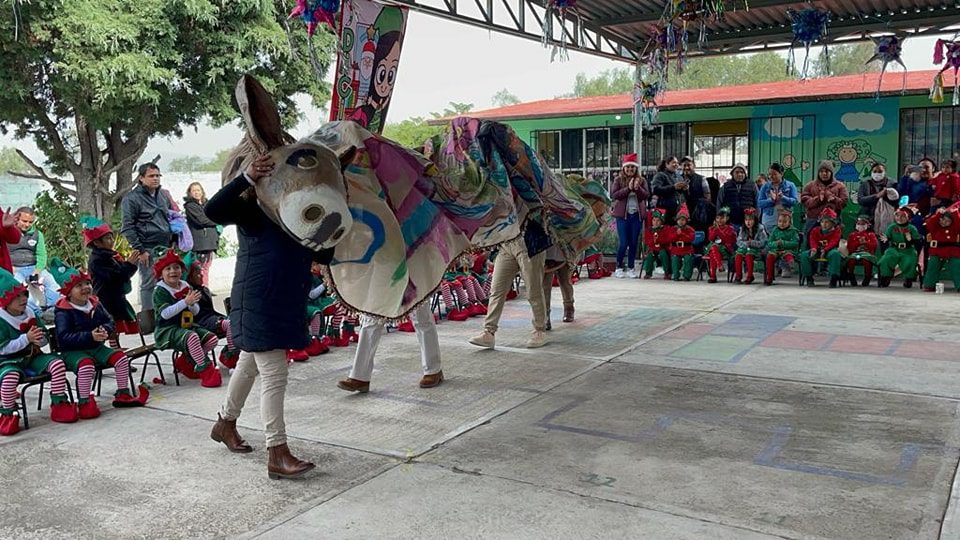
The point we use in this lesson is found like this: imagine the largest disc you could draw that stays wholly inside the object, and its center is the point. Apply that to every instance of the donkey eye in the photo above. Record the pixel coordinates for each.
(304, 158)
(307, 162)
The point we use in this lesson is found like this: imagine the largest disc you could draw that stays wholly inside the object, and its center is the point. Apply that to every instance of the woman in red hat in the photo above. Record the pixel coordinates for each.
(630, 194)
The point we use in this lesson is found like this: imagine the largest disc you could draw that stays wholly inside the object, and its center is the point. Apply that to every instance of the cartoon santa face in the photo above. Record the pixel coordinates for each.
(366, 60)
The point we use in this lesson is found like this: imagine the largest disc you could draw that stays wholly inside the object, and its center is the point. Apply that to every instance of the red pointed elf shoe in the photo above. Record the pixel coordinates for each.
(326, 341)
(595, 274)
(89, 410)
(210, 377)
(477, 309)
(185, 366)
(124, 399)
(316, 348)
(9, 424)
(297, 356)
(458, 315)
(574, 278)
(64, 412)
(342, 340)
(606, 272)
(228, 358)
(512, 294)
(406, 326)
(353, 336)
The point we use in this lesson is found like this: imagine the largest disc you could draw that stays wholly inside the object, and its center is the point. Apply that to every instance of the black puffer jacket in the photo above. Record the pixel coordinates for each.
(146, 222)
(204, 231)
(738, 196)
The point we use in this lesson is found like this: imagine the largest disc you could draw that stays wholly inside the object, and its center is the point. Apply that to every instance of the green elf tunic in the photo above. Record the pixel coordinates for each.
(19, 355)
(902, 251)
(172, 332)
(322, 300)
(783, 242)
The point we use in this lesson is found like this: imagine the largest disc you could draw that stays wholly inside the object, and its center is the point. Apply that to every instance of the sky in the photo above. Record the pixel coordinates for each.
(444, 61)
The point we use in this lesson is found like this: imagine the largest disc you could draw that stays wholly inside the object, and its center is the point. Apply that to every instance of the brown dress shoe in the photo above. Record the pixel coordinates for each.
(354, 385)
(568, 313)
(429, 381)
(282, 464)
(225, 431)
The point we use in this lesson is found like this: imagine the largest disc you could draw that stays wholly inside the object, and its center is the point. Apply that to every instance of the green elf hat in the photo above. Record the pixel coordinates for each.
(190, 261)
(659, 213)
(10, 288)
(93, 229)
(72, 278)
(390, 19)
(724, 211)
(59, 270)
(863, 218)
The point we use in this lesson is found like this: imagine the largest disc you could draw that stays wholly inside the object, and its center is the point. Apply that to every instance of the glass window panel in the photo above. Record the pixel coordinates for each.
(572, 155)
(548, 144)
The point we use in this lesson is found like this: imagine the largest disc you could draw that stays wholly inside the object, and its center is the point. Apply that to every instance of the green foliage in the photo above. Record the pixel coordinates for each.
(412, 132)
(190, 164)
(11, 162)
(504, 97)
(455, 109)
(848, 59)
(227, 248)
(714, 71)
(59, 220)
(609, 82)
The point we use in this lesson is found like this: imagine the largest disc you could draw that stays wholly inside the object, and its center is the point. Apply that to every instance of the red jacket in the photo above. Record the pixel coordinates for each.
(943, 237)
(946, 187)
(8, 235)
(657, 240)
(685, 236)
(825, 242)
(727, 236)
(865, 241)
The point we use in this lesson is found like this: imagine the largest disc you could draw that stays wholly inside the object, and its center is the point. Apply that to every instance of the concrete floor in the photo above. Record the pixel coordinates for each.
(667, 410)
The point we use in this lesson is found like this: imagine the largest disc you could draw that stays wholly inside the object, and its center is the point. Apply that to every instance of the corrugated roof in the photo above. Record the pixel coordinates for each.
(917, 82)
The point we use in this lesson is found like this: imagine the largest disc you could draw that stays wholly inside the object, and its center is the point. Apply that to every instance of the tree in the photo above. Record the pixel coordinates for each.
(503, 98)
(412, 132)
(713, 71)
(849, 59)
(91, 81)
(188, 164)
(10, 162)
(607, 83)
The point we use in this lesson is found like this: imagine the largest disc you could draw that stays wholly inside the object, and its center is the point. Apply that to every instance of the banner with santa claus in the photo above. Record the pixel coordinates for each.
(371, 37)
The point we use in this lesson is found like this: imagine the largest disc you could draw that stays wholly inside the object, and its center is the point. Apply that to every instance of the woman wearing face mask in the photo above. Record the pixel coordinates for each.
(875, 190)
(668, 186)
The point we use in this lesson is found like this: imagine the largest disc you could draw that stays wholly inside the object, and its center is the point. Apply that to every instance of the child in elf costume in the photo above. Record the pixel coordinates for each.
(782, 244)
(22, 334)
(319, 305)
(946, 186)
(460, 281)
(343, 327)
(750, 243)
(177, 305)
(110, 273)
(657, 238)
(681, 246)
(83, 328)
(902, 237)
(862, 248)
(208, 317)
(943, 243)
(722, 243)
(824, 244)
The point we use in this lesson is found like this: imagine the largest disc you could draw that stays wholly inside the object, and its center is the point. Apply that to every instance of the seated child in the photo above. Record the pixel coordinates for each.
(208, 317)
(459, 280)
(681, 247)
(824, 243)
(343, 327)
(83, 327)
(110, 274)
(782, 244)
(862, 248)
(657, 238)
(318, 300)
(902, 251)
(750, 243)
(176, 304)
(943, 241)
(22, 334)
(722, 243)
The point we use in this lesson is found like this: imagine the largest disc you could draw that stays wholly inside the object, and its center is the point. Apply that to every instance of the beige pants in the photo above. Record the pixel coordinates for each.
(566, 288)
(513, 258)
(371, 331)
(272, 367)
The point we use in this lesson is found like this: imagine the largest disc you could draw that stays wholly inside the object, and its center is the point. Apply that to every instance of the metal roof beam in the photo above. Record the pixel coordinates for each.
(650, 16)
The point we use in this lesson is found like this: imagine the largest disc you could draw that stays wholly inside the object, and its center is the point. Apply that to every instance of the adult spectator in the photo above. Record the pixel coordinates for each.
(29, 258)
(696, 194)
(776, 195)
(737, 194)
(630, 194)
(9, 234)
(824, 192)
(874, 190)
(206, 233)
(146, 227)
(668, 185)
(916, 185)
(761, 180)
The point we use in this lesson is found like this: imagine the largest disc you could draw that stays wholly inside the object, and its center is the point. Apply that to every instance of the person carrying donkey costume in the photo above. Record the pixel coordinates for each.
(862, 248)
(750, 243)
(723, 243)
(824, 243)
(943, 243)
(22, 334)
(657, 238)
(110, 275)
(83, 327)
(208, 317)
(681, 246)
(319, 305)
(177, 305)
(782, 244)
(902, 237)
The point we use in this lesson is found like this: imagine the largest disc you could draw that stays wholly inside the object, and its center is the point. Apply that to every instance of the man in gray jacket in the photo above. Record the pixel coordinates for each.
(146, 226)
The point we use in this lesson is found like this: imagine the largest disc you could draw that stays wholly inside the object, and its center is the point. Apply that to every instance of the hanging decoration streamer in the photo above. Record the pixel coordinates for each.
(947, 53)
(809, 26)
(316, 12)
(668, 43)
(558, 9)
(888, 49)
(645, 94)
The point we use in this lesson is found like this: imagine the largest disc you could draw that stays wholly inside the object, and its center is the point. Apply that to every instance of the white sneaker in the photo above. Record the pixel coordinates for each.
(787, 273)
(658, 271)
(631, 274)
(485, 340)
(619, 273)
(537, 339)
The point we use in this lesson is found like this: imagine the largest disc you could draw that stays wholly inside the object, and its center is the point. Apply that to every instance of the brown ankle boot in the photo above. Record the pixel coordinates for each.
(282, 464)
(568, 313)
(225, 431)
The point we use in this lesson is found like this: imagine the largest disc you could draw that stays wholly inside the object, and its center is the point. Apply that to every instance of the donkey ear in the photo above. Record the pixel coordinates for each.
(260, 114)
(347, 156)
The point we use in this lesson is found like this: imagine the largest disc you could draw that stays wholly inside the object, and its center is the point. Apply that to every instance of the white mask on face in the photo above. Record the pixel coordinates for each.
(914, 176)
(877, 176)
(861, 227)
